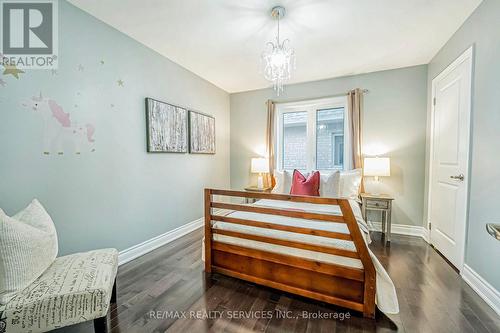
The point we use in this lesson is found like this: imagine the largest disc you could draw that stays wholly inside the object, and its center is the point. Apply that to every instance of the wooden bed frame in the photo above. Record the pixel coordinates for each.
(335, 284)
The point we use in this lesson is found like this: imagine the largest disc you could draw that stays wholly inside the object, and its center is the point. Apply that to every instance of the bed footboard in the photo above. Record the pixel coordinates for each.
(348, 287)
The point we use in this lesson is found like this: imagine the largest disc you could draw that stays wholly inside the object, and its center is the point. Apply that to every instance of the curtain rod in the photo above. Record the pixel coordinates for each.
(364, 91)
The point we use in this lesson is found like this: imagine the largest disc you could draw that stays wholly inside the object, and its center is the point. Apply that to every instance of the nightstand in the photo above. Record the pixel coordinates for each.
(256, 189)
(381, 203)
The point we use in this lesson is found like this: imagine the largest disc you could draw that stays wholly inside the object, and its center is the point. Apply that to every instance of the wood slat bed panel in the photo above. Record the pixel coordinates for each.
(298, 291)
(306, 264)
(315, 282)
(298, 245)
(279, 197)
(279, 212)
(274, 226)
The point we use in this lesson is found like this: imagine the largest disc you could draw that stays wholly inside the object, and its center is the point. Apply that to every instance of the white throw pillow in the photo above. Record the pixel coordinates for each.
(28, 246)
(329, 186)
(283, 182)
(350, 183)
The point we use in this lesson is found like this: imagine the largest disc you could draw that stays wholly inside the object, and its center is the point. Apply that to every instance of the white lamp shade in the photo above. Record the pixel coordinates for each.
(377, 166)
(260, 165)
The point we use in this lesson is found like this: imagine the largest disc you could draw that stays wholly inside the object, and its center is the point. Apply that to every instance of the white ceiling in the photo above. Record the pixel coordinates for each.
(222, 40)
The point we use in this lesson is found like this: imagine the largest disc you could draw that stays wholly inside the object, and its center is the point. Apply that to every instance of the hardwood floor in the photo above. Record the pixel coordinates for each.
(432, 297)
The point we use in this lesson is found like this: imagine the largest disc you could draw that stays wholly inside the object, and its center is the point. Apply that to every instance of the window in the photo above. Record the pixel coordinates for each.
(295, 140)
(311, 135)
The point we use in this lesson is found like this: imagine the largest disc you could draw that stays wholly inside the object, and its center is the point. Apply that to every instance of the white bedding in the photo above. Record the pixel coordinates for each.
(386, 298)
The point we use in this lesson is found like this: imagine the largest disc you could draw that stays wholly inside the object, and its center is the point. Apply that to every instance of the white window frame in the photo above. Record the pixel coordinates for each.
(311, 107)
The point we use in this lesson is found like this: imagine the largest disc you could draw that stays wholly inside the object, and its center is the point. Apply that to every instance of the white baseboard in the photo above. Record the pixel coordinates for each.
(403, 229)
(485, 290)
(426, 235)
(141, 249)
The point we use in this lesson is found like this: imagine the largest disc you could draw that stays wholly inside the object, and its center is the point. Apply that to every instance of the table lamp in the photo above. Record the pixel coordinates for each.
(377, 167)
(260, 165)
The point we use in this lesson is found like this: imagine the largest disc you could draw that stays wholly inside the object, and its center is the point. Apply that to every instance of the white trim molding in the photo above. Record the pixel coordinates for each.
(426, 235)
(310, 108)
(403, 229)
(485, 290)
(141, 249)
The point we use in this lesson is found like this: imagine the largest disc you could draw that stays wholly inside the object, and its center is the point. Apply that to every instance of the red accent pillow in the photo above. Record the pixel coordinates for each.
(303, 186)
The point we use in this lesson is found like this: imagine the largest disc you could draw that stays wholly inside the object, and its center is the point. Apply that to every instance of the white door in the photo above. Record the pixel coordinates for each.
(450, 158)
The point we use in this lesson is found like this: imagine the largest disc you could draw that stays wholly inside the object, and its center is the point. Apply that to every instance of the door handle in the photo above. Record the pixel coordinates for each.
(459, 177)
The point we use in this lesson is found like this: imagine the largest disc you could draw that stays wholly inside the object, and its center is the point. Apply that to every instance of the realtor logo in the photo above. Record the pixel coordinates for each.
(29, 33)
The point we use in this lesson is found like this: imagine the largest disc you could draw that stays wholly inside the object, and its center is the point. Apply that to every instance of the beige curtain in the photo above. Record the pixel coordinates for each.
(270, 141)
(354, 104)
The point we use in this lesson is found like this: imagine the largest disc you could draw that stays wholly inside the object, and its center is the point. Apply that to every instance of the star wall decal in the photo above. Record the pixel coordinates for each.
(12, 70)
(3, 83)
(81, 68)
(120, 82)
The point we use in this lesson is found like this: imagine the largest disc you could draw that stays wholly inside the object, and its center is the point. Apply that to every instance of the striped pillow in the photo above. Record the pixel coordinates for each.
(28, 246)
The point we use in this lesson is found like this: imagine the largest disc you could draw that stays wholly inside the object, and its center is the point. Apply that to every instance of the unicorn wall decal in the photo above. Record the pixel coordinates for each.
(60, 130)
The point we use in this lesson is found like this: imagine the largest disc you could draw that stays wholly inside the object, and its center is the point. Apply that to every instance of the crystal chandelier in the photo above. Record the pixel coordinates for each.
(278, 59)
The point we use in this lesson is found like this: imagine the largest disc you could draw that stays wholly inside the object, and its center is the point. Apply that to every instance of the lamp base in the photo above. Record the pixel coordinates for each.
(376, 187)
(260, 181)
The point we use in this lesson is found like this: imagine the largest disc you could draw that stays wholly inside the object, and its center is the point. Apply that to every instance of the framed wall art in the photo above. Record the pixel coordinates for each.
(166, 127)
(201, 133)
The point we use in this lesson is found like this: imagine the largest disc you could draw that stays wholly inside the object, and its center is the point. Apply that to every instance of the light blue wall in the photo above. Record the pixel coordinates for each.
(394, 125)
(482, 30)
(119, 195)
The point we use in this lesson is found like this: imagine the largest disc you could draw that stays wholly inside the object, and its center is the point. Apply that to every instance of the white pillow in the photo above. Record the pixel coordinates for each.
(350, 183)
(283, 182)
(28, 246)
(329, 185)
